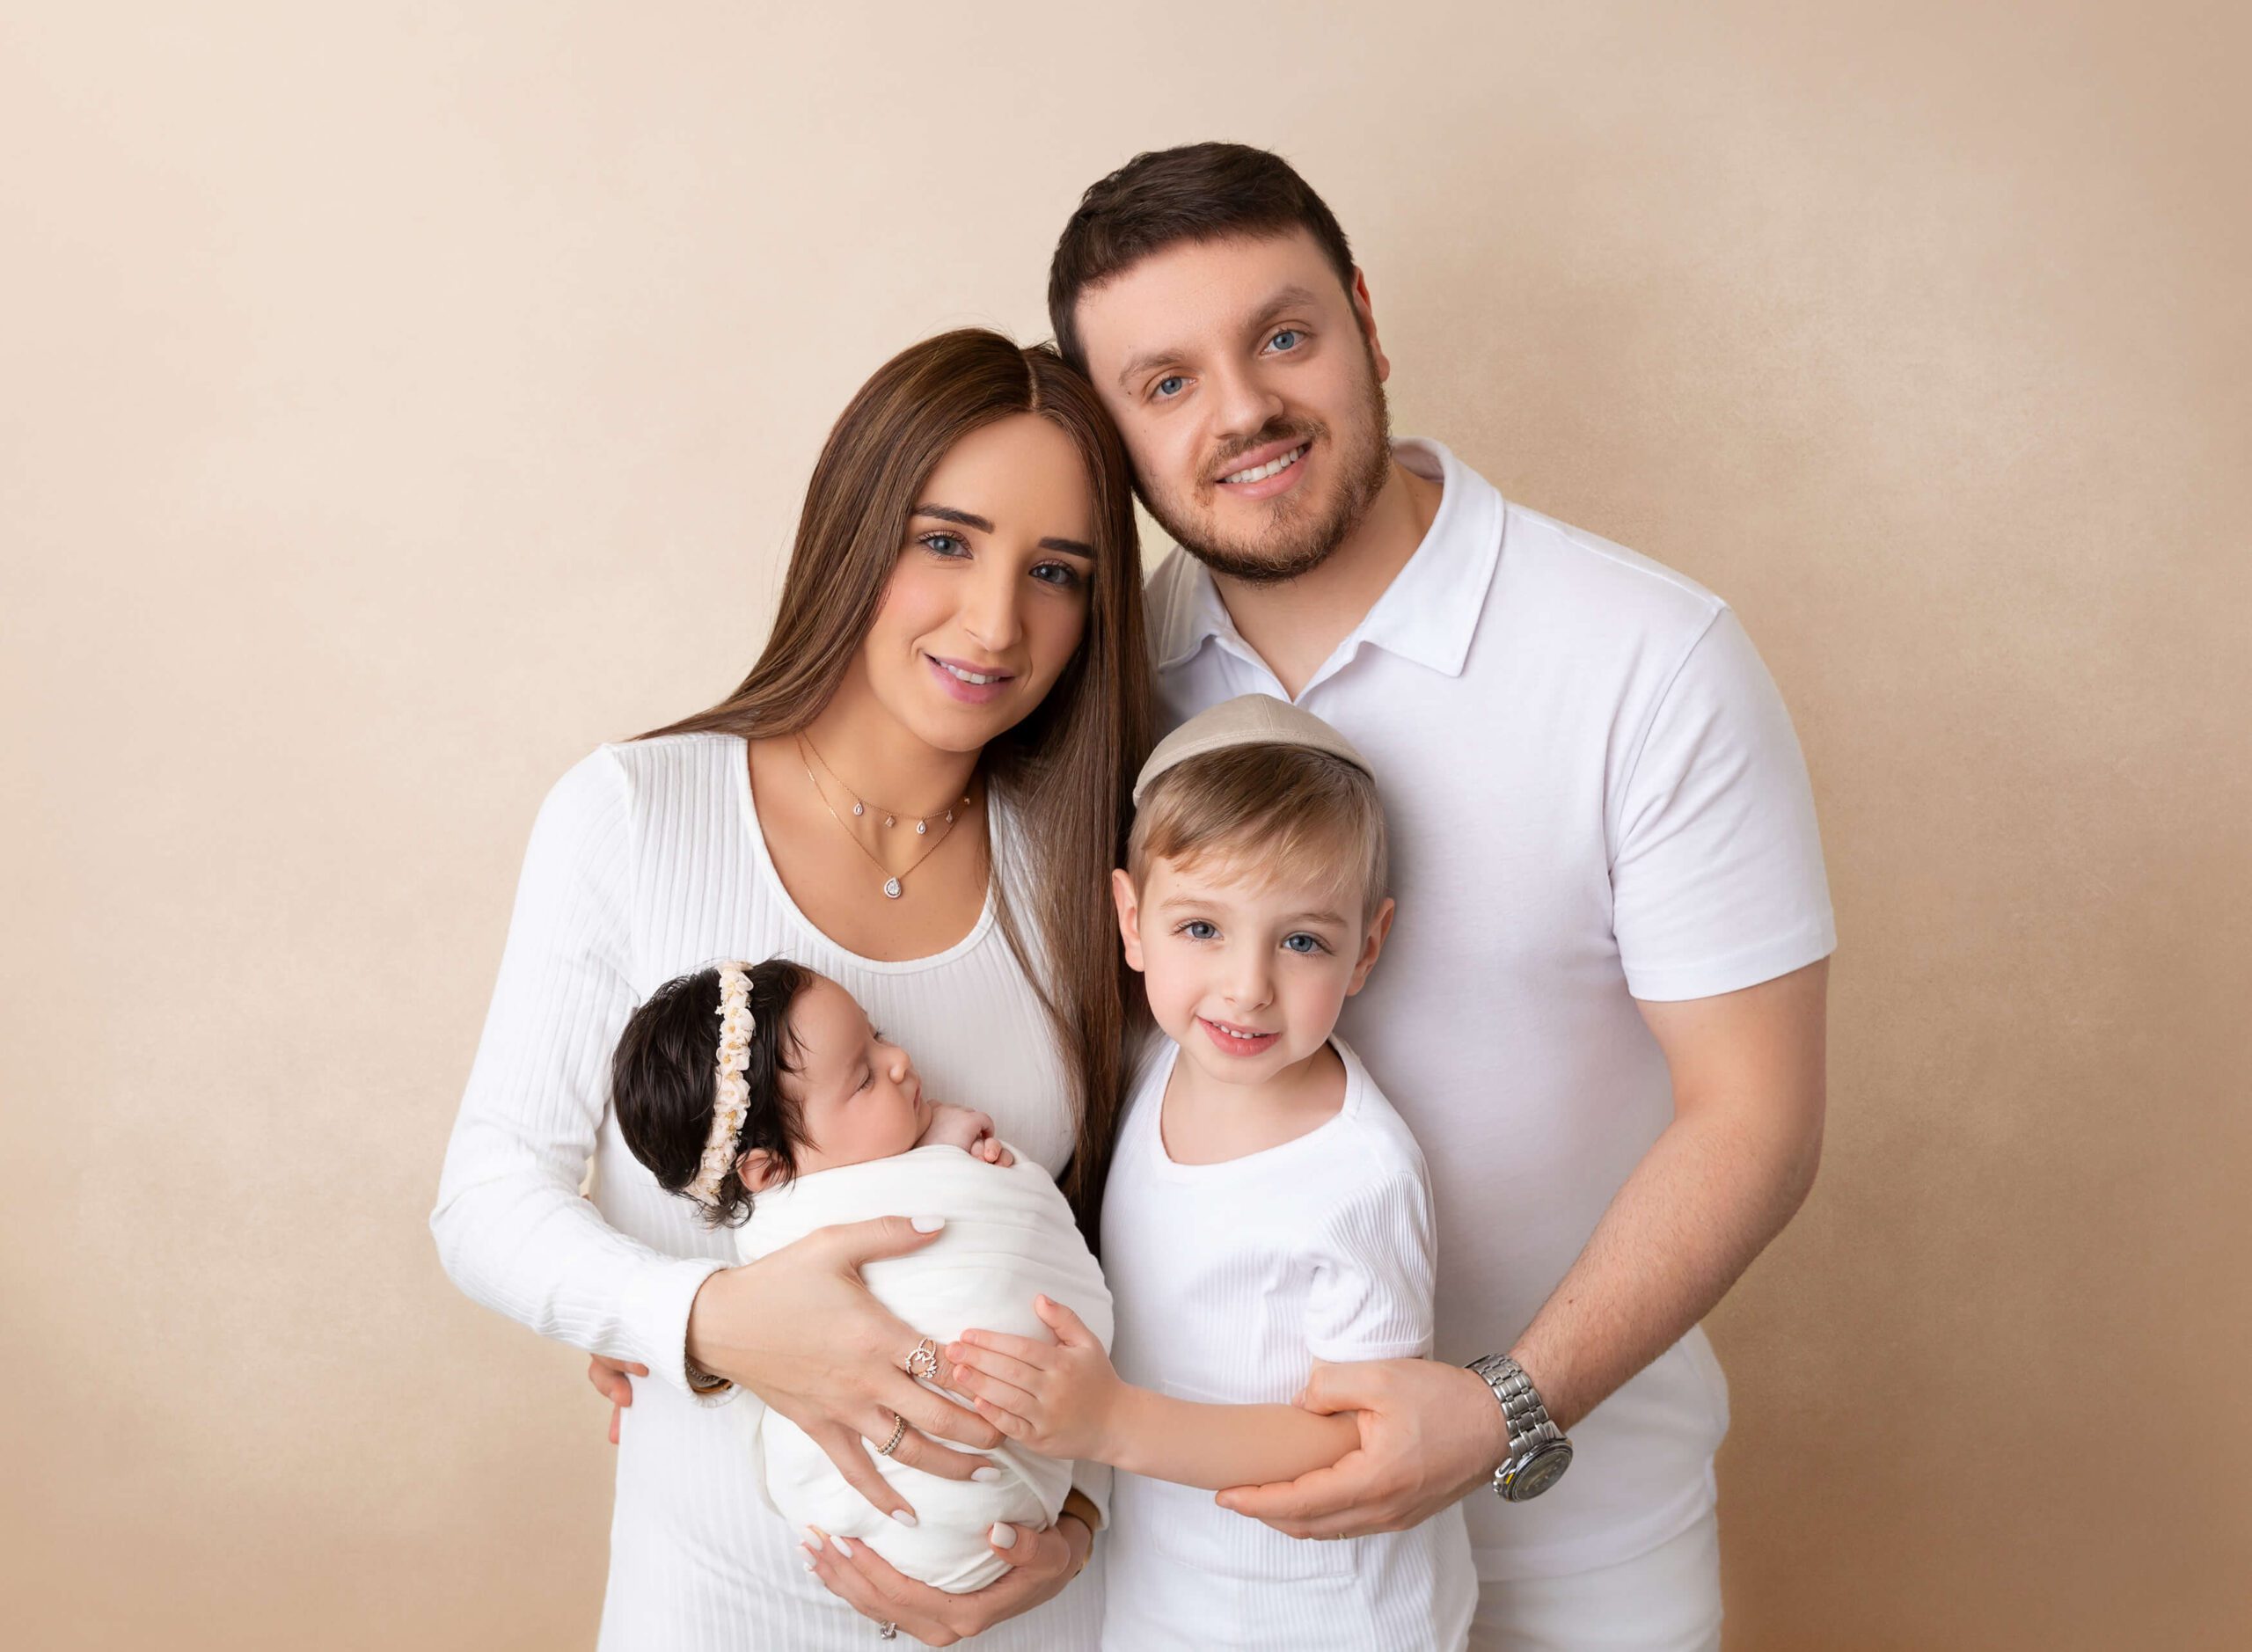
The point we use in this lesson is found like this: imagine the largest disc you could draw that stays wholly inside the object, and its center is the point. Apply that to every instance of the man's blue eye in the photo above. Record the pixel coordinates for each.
(1170, 386)
(1286, 340)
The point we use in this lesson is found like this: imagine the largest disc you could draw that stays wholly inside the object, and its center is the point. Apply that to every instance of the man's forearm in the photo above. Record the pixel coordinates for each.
(1707, 1199)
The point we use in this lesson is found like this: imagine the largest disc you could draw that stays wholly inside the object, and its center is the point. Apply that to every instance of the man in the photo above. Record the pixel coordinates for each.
(1602, 1009)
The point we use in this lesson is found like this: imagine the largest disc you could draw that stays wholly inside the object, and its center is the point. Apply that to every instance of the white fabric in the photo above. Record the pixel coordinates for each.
(1668, 1600)
(646, 862)
(1594, 795)
(1009, 1236)
(1230, 1279)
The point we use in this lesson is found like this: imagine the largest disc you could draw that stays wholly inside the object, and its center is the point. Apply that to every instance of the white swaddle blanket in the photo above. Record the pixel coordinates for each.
(1009, 1236)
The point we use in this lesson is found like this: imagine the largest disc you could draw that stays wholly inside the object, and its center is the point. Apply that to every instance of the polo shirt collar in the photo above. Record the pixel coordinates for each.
(1430, 610)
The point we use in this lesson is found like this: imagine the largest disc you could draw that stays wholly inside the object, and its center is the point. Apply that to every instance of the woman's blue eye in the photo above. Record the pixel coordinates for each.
(1170, 386)
(1286, 340)
(938, 542)
(1062, 575)
(1312, 943)
(1197, 929)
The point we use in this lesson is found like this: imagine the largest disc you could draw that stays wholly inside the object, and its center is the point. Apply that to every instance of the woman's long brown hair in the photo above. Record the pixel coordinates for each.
(1067, 770)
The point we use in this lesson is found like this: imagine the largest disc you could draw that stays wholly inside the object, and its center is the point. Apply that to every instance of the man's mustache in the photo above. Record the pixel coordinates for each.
(1226, 461)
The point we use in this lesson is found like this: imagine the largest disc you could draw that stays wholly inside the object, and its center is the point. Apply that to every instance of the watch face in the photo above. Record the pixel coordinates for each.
(1542, 1470)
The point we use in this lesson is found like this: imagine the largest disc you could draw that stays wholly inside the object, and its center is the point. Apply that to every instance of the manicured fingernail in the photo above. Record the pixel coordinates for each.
(928, 1223)
(904, 1517)
(1003, 1537)
(811, 1567)
(985, 1476)
(843, 1547)
(812, 1539)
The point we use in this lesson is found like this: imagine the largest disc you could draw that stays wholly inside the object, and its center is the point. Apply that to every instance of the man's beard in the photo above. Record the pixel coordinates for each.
(1294, 543)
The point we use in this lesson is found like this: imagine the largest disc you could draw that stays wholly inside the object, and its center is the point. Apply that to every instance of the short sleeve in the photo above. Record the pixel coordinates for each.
(1373, 1275)
(1716, 874)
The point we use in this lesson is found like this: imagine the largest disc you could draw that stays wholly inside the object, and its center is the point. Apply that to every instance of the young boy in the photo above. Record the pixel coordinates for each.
(1266, 1208)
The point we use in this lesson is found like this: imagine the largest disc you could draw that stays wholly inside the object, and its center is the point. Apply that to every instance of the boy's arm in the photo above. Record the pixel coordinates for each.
(1218, 1446)
(1064, 1398)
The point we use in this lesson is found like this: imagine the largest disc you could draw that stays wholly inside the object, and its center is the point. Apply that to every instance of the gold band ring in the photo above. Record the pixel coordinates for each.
(898, 1433)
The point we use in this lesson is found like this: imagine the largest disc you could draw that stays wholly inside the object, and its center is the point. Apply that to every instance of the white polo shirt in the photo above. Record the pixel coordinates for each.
(1594, 796)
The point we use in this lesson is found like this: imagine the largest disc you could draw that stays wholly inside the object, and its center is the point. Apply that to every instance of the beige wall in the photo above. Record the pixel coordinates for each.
(394, 401)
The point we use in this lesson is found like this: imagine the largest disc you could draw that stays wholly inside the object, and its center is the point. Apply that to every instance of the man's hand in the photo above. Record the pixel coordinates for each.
(609, 1378)
(1430, 1433)
(966, 1128)
(1061, 1399)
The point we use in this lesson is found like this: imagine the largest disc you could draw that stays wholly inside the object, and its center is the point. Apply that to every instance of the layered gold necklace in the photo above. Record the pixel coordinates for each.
(894, 882)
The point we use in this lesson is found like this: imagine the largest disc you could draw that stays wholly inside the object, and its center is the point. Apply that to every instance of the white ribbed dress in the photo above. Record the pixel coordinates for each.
(646, 862)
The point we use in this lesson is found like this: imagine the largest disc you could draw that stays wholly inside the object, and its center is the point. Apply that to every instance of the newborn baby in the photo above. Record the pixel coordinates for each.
(762, 1093)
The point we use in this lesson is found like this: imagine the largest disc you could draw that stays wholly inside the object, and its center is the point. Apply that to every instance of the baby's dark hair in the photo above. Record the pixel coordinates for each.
(662, 1080)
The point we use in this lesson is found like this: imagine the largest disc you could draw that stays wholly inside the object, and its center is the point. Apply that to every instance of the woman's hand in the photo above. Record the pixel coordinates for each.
(1040, 1564)
(1061, 1399)
(800, 1330)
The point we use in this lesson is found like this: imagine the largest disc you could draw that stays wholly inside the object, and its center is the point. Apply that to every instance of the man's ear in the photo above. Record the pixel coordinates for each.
(759, 1169)
(1129, 917)
(1365, 313)
(1379, 926)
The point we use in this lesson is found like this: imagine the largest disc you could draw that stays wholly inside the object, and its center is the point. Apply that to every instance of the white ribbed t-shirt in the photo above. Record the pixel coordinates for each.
(1228, 1280)
(646, 862)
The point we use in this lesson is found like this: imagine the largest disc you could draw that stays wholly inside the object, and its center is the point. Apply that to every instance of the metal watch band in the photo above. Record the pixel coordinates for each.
(1538, 1452)
(1527, 1418)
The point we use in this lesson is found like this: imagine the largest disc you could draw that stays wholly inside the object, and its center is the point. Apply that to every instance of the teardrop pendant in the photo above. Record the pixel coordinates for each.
(891, 888)
(922, 826)
(859, 808)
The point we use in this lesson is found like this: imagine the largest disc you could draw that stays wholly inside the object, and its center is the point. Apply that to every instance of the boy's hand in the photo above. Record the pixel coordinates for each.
(1062, 1398)
(966, 1128)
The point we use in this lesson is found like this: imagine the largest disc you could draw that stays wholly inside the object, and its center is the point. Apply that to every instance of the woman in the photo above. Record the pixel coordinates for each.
(919, 791)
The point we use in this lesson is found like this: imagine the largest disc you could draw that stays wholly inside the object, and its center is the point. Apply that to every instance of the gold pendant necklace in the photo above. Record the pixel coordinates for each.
(894, 882)
(890, 816)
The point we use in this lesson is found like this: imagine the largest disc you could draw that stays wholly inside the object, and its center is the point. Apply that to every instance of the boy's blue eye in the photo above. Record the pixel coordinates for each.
(1312, 943)
(1197, 929)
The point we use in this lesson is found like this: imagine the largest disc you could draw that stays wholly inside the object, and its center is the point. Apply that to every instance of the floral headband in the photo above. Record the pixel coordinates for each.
(731, 1093)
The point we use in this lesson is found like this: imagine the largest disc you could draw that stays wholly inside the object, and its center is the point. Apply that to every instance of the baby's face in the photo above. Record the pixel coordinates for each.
(1246, 975)
(859, 1097)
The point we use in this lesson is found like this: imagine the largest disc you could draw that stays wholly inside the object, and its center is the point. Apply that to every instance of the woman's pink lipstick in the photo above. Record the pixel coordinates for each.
(1228, 1042)
(968, 693)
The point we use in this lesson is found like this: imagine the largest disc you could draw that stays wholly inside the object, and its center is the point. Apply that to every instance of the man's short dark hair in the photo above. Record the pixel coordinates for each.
(1201, 191)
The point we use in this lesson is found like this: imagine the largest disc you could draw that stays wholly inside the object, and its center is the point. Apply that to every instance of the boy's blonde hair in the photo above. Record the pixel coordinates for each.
(1280, 812)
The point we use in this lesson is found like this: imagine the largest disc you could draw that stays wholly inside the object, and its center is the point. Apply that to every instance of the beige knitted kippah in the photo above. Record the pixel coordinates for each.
(1249, 719)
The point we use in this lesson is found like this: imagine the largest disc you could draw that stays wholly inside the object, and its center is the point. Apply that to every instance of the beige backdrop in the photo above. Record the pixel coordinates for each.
(396, 400)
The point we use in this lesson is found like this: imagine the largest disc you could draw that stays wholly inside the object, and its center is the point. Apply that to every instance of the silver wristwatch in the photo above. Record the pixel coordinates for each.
(1539, 1451)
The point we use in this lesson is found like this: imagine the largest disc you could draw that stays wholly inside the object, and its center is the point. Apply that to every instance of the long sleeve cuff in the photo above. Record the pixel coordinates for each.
(655, 1314)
